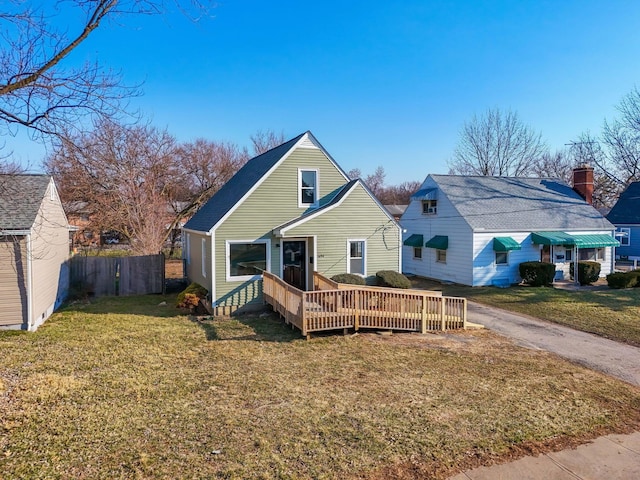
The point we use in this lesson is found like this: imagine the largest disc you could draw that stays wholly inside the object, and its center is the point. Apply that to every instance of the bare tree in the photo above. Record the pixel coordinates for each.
(399, 194)
(39, 88)
(126, 174)
(621, 138)
(554, 165)
(496, 144)
(375, 181)
(266, 140)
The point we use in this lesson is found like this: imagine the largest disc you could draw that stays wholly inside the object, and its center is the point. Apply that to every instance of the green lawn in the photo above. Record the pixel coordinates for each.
(611, 313)
(128, 388)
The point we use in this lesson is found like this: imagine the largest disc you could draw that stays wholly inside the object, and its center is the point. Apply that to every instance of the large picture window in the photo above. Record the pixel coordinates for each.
(307, 188)
(591, 254)
(247, 260)
(356, 253)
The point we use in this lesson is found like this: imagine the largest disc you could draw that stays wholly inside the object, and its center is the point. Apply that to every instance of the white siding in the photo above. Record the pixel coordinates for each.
(447, 221)
(486, 272)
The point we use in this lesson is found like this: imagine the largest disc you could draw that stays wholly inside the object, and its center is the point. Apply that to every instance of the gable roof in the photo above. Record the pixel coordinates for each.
(242, 183)
(20, 199)
(519, 204)
(343, 193)
(627, 208)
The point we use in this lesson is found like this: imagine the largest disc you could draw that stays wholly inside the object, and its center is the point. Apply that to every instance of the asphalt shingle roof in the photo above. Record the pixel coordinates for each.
(627, 208)
(20, 200)
(232, 191)
(520, 204)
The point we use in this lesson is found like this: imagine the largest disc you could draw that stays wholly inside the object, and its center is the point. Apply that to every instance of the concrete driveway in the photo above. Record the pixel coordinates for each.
(613, 358)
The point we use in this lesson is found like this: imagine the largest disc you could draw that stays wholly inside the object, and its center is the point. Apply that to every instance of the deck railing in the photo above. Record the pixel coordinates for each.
(350, 306)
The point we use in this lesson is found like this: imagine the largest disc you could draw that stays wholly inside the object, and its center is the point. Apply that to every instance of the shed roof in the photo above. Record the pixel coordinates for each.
(519, 204)
(20, 199)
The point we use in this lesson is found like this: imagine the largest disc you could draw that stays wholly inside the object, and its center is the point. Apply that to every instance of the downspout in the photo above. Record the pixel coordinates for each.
(212, 235)
(576, 281)
(30, 321)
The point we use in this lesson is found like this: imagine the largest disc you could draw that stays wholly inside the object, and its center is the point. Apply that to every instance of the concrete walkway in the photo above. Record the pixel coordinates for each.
(613, 358)
(613, 457)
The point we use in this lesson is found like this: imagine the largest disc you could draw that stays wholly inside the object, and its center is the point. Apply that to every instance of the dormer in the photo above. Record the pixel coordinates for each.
(428, 198)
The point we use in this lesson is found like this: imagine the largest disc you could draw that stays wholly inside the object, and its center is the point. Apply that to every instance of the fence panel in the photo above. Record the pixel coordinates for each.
(96, 275)
(104, 276)
(141, 275)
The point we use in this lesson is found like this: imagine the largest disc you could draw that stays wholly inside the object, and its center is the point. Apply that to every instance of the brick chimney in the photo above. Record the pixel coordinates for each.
(583, 182)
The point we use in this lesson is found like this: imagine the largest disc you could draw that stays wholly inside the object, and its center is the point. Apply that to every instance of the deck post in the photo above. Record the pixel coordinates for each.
(424, 314)
(464, 313)
(442, 310)
(356, 317)
(303, 311)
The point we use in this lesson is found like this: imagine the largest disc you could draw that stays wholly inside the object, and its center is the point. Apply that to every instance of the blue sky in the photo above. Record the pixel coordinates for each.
(378, 83)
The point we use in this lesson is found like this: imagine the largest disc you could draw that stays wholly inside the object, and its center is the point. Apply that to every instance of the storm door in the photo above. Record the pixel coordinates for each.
(294, 263)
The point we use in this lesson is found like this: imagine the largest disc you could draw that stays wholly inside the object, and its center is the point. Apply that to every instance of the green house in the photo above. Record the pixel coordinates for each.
(290, 211)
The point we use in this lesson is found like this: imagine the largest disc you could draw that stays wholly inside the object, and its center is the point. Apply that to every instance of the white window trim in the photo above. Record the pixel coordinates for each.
(364, 255)
(623, 231)
(429, 203)
(317, 189)
(495, 259)
(187, 249)
(244, 278)
(204, 257)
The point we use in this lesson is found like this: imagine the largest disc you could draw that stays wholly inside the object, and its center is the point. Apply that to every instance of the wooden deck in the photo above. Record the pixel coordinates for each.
(333, 306)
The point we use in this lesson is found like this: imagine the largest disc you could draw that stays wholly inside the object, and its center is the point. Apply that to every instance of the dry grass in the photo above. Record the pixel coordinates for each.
(127, 388)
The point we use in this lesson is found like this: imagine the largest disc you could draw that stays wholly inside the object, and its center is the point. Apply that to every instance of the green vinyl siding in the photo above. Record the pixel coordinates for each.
(358, 218)
(272, 203)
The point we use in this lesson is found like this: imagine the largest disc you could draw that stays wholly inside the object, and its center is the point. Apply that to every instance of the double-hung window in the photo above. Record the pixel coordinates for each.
(623, 234)
(308, 188)
(356, 262)
(246, 260)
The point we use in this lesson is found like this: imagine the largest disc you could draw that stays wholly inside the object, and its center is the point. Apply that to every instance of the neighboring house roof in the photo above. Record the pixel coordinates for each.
(627, 209)
(396, 210)
(519, 204)
(20, 199)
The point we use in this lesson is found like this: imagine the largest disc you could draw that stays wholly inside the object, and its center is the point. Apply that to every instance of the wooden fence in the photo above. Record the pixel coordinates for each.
(103, 276)
(332, 307)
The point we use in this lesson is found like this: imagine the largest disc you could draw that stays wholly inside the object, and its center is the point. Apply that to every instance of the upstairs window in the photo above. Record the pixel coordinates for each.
(429, 207)
(307, 188)
(623, 235)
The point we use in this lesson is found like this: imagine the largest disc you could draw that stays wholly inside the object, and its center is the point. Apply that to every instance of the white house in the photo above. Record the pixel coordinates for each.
(476, 230)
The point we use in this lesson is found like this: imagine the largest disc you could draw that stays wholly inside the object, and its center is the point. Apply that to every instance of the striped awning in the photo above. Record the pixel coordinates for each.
(505, 244)
(593, 240)
(552, 238)
(414, 240)
(439, 242)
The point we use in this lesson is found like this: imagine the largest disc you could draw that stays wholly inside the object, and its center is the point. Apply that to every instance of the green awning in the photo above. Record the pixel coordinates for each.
(505, 244)
(414, 240)
(439, 242)
(552, 238)
(595, 240)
